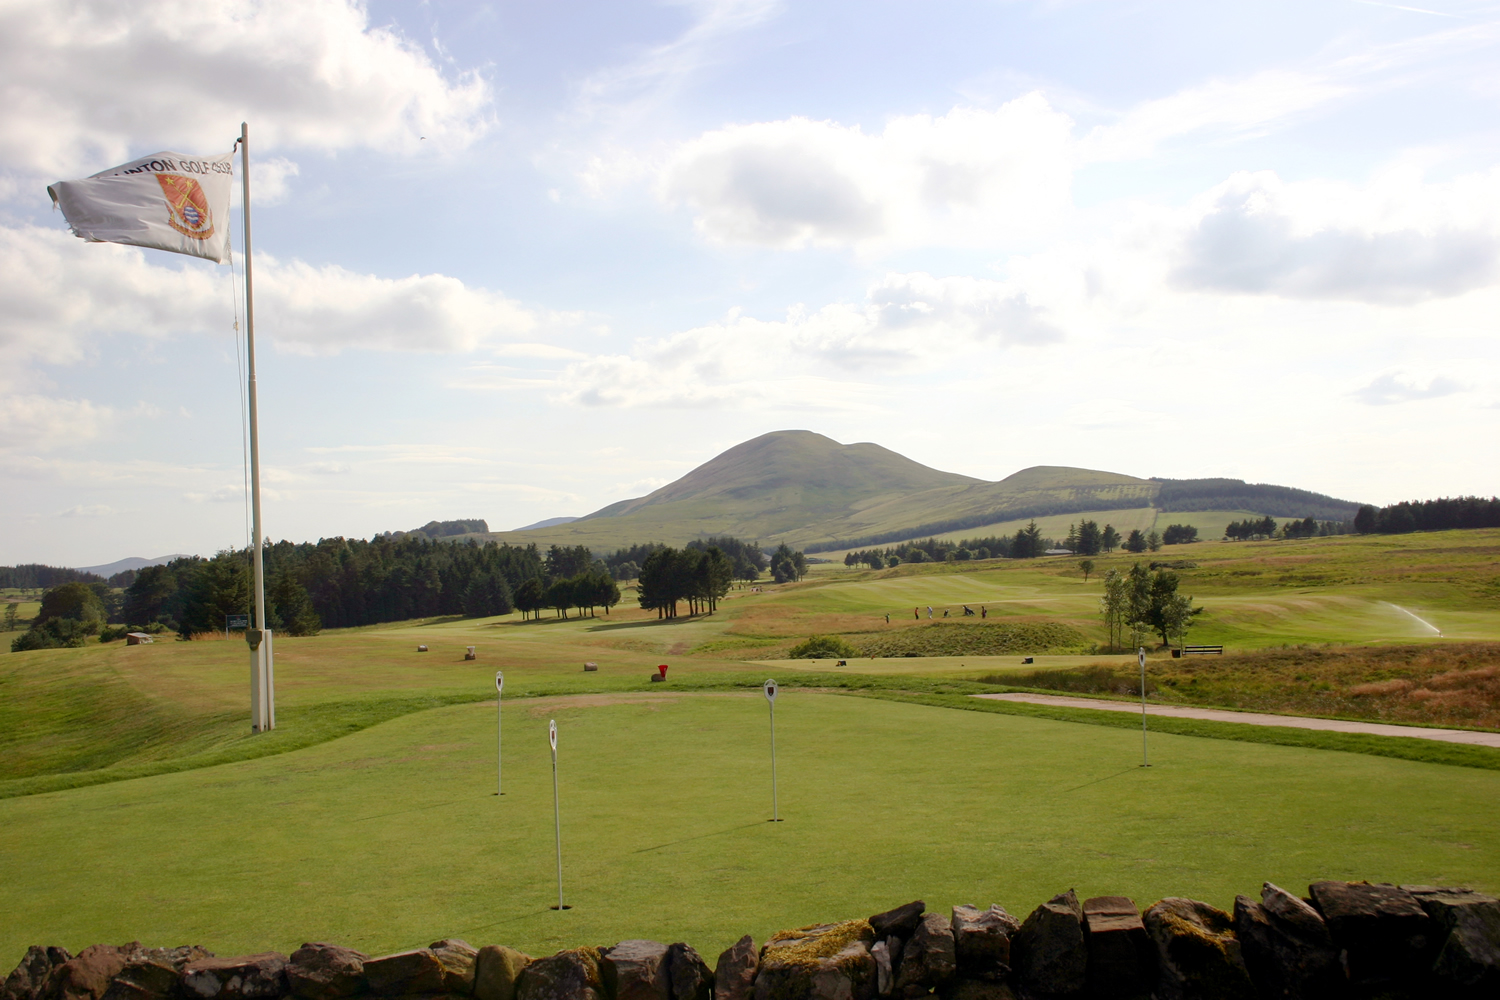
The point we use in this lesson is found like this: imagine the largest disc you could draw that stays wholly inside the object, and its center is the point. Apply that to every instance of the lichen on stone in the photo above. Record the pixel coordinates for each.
(806, 947)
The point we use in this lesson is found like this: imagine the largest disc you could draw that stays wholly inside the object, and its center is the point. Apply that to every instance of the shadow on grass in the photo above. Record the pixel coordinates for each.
(1096, 781)
(445, 620)
(701, 836)
(469, 931)
(403, 812)
(534, 622)
(658, 623)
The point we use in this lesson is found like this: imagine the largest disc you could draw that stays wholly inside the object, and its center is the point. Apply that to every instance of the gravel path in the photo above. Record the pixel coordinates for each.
(1260, 719)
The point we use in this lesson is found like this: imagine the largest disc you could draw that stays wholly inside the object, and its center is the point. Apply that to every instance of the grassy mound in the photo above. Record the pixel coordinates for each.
(1078, 680)
(823, 647)
(940, 638)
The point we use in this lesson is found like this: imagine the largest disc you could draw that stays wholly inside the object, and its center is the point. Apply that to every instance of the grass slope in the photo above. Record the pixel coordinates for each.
(393, 837)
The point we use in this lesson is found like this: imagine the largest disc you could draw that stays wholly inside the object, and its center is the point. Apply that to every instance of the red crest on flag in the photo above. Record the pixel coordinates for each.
(188, 206)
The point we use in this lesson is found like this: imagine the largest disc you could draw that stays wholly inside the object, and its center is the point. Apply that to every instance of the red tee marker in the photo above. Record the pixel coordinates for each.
(662, 668)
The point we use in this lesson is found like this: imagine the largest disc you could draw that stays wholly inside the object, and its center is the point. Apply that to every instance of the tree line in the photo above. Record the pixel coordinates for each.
(36, 576)
(1026, 543)
(1429, 515)
(746, 558)
(1266, 527)
(334, 583)
(670, 576)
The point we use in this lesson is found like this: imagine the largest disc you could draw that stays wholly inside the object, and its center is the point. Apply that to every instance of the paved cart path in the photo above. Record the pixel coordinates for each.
(1259, 718)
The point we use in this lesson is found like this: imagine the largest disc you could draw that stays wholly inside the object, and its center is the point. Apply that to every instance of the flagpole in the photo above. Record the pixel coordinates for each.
(262, 672)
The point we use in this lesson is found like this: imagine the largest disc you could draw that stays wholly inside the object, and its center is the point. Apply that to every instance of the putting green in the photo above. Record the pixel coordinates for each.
(392, 837)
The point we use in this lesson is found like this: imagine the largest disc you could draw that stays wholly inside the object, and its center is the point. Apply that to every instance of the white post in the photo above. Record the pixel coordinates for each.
(262, 670)
(499, 756)
(1141, 656)
(770, 689)
(556, 811)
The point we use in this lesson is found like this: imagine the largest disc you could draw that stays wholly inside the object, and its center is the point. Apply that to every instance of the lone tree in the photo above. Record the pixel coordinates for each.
(77, 601)
(1114, 607)
(786, 565)
(1110, 538)
(1135, 541)
(1028, 542)
(1090, 540)
(1087, 565)
(1152, 604)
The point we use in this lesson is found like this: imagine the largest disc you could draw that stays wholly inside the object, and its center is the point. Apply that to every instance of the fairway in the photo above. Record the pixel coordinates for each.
(393, 836)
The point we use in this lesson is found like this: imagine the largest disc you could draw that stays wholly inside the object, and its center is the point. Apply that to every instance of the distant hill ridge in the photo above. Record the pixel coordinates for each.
(1263, 498)
(812, 492)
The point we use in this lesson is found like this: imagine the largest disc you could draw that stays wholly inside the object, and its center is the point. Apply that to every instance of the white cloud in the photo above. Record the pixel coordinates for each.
(543, 351)
(976, 308)
(645, 81)
(978, 177)
(233, 494)
(970, 177)
(84, 82)
(33, 423)
(907, 323)
(1393, 388)
(1235, 108)
(269, 180)
(322, 310)
(88, 510)
(60, 292)
(1396, 240)
(1243, 108)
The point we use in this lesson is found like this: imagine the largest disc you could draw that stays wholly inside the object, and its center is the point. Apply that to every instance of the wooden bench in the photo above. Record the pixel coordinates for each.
(1199, 651)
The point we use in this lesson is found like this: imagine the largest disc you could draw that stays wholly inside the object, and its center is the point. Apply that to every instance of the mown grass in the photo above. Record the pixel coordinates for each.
(393, 836)
(102, 713)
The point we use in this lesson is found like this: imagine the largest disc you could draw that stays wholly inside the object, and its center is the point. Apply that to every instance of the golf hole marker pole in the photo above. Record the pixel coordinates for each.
(770, 689)
(1141, 656)
(556, 811)
(499, 754)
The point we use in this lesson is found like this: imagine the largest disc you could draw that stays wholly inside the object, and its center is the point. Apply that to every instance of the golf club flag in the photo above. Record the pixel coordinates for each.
(166, 201)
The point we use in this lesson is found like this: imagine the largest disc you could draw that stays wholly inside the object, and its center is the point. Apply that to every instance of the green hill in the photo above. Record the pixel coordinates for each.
(814, 493)
(807, 474)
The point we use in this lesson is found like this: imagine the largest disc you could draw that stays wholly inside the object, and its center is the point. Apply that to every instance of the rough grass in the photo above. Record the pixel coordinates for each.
(1449, 685)
(1078, 680)
(982, 638)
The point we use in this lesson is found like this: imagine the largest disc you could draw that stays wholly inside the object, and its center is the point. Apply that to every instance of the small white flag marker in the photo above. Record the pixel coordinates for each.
(499, 755)
(770, 689)
(556, 812)
(1141, 656)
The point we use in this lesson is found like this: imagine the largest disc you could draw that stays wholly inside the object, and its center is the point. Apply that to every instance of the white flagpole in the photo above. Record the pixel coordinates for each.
(262, 672)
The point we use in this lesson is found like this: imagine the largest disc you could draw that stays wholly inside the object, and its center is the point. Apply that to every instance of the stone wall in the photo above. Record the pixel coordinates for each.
(1343, 940)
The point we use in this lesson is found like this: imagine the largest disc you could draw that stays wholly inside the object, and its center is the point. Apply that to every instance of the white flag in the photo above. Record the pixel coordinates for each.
(166, 201)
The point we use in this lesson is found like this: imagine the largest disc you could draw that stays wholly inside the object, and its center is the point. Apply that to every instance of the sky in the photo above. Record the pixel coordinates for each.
(517, 260)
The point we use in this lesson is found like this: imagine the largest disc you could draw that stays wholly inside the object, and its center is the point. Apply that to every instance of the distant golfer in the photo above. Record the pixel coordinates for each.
(929, 611)
(888, 618)
(983, 611)
(916, 613)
